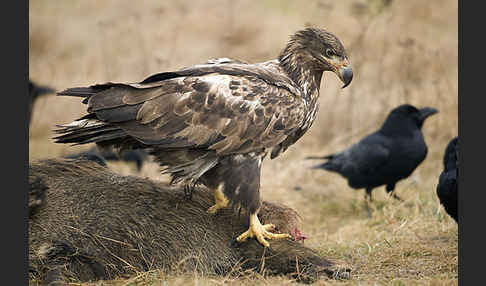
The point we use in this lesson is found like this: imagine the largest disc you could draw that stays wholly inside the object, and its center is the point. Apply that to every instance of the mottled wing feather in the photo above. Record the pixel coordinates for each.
(226, 111)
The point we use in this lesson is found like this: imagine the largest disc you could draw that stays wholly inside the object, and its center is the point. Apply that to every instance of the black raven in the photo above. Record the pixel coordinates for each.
(386, 156)
(447, 186)
(91, 155)
(35, 91)
(138, 156)
(105, 154)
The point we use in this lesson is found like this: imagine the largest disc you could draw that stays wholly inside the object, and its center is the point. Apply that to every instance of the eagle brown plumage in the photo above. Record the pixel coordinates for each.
(213, 123)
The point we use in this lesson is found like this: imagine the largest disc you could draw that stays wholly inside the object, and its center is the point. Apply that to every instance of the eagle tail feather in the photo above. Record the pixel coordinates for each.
(77, 91)
(87, 92)
(191, 171)
(87, 130)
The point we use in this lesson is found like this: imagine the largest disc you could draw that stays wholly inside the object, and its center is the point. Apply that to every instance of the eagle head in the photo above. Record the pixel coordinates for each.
(321, 50)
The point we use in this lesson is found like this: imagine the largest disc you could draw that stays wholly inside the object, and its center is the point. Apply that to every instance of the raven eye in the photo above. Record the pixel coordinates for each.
(330, 52)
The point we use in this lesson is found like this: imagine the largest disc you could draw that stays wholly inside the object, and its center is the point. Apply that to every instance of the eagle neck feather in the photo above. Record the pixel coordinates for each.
(300, 69)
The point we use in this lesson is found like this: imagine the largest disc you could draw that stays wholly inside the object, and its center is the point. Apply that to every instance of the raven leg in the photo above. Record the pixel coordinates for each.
(395, 196)
(261, 232)
(368, 199)
(391, 190)
(368, 196)
(220, 200)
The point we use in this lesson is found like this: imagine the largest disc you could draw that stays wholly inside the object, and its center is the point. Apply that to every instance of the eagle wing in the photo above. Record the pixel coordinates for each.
(229, 107)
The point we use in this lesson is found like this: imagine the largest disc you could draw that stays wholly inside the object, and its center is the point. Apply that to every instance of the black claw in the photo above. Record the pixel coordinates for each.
(235, 243)
(368, 200)
(395, 196)
(188, 189)
(368, 209)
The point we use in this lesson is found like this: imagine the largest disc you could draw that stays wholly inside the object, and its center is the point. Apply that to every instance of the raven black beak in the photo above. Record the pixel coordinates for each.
(426, 112)
(346, 75)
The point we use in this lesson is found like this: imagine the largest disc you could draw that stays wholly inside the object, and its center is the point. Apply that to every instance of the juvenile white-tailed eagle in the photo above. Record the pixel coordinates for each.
(213, 123)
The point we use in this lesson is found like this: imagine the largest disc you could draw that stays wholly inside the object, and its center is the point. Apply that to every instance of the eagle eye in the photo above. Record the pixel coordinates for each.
(330, 53)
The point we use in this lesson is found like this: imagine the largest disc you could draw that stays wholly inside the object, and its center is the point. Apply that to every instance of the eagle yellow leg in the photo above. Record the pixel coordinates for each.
(220, 201)
(260, 232)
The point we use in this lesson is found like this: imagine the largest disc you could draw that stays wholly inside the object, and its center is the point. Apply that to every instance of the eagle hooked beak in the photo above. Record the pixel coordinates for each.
(345, 73)
(341, 67)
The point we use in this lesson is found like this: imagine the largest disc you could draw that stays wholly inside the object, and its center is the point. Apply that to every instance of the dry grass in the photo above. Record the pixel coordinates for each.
(403, 52)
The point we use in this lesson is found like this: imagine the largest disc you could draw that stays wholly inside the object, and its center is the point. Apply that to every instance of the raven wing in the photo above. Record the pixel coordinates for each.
(447, 192)
(368, 156)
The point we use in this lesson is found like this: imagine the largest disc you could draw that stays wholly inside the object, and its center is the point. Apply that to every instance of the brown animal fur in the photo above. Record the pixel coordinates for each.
(95, 224)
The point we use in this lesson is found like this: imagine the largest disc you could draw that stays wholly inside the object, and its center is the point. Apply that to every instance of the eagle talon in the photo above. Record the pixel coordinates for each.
(220, 201)
(260, 232)
(214, 209)
(269, 226)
